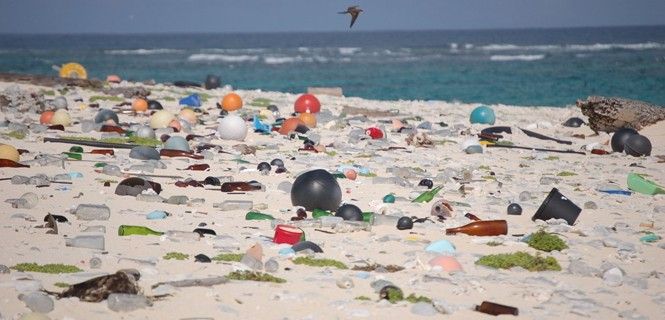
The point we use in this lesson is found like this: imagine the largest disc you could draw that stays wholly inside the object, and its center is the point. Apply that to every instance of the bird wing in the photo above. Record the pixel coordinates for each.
(354, 16)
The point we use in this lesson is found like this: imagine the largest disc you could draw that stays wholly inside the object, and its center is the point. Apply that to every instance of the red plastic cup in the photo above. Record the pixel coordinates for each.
(287, 234)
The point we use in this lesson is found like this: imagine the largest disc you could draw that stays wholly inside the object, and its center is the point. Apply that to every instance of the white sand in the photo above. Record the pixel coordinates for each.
(310, 292)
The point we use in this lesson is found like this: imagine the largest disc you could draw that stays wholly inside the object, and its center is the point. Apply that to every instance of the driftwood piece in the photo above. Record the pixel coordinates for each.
(50, 81)
(368, 112)
(611, 114)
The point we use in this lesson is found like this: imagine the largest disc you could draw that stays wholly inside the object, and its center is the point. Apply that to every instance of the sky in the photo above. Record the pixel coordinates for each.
(232, 16)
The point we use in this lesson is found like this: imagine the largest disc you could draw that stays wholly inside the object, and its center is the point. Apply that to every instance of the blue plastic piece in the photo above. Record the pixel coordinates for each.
(286, 252)
(357, 168)
(156, 215)
(192, 101)
(260, 126)
(441, 246)
(619, 192)
(75, 175)
(482, 115)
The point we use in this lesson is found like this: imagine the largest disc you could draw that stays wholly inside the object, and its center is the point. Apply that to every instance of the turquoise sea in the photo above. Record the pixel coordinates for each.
(542, 67)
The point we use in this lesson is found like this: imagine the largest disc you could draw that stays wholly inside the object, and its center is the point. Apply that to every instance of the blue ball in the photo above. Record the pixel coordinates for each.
(483, 115)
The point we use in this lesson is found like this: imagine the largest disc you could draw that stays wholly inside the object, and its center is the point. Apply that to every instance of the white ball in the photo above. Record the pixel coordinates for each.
(60, 102)
(61, 117)
(161, 119)
(145, 132)
(232, 127)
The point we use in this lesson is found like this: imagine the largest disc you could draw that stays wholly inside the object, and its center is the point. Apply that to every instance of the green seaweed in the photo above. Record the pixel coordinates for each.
(47, 268)
(362, 298)
(231, 257)
(552, 158)
(150, 142)
(566, 174)
(260, 102)
(494, 243)
(519, 259)
(61, 285)
(254, 276)
(48, 92)
(319, 262)
(394, 295)
(415, 299)
(544, 241)
(176, 256)
(106, 98)
(168, 99)
(19, 135)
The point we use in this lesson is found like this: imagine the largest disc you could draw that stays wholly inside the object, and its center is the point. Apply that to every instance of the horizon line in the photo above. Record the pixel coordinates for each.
(326, 31)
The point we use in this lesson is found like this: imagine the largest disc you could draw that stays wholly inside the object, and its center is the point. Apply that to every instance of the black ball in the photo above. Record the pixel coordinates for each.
(316, 189)
(202, 258)
(637, 145)
(106, 114)
(404, 223)
(272, 108)
(619, 138)
(154, 105)
(263, 166)
(349, 212)
(212, 82)
(212, 181)
(573, 122)
(277, 162)
(427, 183)
(514, 209)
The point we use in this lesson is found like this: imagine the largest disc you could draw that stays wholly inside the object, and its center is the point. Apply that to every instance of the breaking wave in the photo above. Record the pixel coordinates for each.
(142, 51)
(222, 57)
(519, 57)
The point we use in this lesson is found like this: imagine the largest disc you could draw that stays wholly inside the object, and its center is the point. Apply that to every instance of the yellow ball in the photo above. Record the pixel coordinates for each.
(61, 117)
(9, 152)
(161, 119)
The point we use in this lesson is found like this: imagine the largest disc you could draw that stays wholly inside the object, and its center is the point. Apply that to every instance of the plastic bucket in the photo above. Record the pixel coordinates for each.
(288, 234)
(557, 206)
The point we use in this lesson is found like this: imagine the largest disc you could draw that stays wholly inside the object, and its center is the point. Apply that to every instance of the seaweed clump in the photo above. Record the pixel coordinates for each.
(548, 242)
(320, 262)
(176, 256)
(519, 259)
(231, 257)
(254, 276)
(47, 268)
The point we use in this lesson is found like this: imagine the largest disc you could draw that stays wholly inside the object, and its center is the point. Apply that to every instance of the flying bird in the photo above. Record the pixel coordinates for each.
(354, 11)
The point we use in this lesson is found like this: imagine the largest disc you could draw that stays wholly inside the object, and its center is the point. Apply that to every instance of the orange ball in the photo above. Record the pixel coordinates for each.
(113, 78)
(290, 125)
(46, 117)
(351, 174)
(308, 118)
(140, 105)
(307, 102)
(231, 102)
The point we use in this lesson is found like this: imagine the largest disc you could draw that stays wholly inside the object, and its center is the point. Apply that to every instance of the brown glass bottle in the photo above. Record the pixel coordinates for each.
(482, 228)
(496, 309)
(6, 163)
(240, 186)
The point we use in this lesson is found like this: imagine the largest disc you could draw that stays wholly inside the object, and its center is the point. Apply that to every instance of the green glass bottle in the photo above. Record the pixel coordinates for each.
(427, 196)
(73, 155)
(368, 217)
(125, 230)
(318, 213)
(253, 215)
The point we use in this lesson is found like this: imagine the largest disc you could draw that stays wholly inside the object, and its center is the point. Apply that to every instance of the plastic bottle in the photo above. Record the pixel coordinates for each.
(318, 213)
(90, 242)
(92, 212)
(496, 309)
(304, 223)
(124, 302)
(177, 236)
(482, 228)
(229, 205)
(125, 230)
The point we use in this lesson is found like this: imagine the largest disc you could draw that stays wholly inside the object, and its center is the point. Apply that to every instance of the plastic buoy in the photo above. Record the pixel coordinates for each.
(307, 103)
(231, 102)
(73, 70)
(140, 105)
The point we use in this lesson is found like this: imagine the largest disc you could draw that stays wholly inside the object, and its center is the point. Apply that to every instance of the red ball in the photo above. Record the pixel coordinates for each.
(307, 103)
(374, 132)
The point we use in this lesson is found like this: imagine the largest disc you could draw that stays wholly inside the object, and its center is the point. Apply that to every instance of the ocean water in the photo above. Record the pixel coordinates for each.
(541, 67)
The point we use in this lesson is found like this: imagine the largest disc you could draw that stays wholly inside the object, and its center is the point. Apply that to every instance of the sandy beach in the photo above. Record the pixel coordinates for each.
(606, 271)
